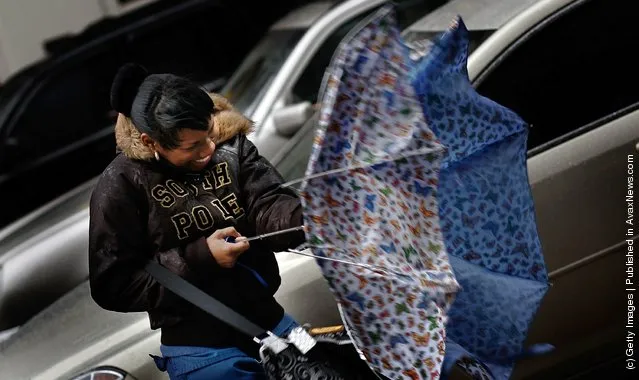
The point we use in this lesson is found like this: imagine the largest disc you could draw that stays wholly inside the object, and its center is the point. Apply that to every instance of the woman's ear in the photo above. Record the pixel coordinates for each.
(147, 141)
(150, 143)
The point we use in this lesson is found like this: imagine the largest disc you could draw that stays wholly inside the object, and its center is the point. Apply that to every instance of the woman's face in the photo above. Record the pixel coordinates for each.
(194, 152)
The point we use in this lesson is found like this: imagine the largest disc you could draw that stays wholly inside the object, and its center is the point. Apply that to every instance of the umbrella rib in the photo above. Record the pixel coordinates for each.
(356, 167)
(365, 266)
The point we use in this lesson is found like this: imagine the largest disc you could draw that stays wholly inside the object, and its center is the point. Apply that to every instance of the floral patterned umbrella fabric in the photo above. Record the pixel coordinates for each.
(370, 197)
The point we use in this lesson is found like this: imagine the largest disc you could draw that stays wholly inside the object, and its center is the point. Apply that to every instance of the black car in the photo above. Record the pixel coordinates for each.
(55, 118)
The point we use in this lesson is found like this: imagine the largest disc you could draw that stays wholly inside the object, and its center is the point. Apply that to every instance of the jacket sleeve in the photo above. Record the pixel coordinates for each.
(119, 249)
(270, 207)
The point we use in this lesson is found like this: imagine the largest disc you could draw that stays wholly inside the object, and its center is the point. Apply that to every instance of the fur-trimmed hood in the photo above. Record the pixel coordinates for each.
(228, 122)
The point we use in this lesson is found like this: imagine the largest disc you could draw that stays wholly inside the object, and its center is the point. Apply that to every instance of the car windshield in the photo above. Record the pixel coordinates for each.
(248, 84)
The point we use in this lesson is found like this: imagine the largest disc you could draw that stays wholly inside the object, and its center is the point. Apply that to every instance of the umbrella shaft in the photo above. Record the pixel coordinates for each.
(258, 237)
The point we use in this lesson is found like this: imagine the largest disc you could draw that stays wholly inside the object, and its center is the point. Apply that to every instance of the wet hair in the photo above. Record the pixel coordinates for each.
(160, 105)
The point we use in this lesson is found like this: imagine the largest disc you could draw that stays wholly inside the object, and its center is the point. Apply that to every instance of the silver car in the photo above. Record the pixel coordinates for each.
(565, 70)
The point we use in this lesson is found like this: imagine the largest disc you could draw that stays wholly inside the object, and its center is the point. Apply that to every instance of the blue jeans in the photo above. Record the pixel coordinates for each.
(199, 363)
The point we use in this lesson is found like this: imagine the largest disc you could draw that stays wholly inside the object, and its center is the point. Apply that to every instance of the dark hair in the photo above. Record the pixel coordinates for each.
(160, 105)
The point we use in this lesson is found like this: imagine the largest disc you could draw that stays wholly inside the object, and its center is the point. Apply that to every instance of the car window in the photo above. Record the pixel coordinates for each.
(259, 68)
(571, 71)
(408, 11)
(292, 160)
(67, 107)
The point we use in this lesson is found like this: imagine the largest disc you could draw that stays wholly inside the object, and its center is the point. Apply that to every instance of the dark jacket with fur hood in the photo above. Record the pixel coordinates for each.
(144, 209)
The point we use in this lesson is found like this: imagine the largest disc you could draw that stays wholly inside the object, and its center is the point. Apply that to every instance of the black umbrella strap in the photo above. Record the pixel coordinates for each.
(197, 297)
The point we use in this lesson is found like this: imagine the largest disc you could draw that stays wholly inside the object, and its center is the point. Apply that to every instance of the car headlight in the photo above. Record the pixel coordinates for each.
(104, 373)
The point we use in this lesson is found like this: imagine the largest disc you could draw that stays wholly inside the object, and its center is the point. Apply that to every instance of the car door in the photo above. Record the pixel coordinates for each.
(570, 77)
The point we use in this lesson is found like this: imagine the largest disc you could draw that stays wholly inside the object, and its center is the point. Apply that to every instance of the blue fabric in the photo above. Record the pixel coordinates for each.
(231, 239)
(485, 207)
(495, 336)
(200, 363)
(257, 275)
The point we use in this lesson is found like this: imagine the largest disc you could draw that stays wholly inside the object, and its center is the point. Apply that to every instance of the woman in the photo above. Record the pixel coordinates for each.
(187, 177)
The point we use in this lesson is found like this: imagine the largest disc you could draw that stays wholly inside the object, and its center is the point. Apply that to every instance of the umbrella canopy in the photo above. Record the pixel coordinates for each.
(370, 197)
(485, 206)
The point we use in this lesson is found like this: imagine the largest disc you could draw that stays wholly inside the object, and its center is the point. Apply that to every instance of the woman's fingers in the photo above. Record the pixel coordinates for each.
(239, 247)
(224, 232)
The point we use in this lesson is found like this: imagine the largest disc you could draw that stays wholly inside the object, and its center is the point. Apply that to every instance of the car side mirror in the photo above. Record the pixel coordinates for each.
(289, 119)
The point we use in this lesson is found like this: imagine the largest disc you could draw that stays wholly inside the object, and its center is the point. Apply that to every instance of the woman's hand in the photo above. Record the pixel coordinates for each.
(226, 254)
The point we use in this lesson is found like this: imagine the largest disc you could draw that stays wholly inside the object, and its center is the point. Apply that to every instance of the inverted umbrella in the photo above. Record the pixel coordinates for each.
(486, 209)
(370, 198)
